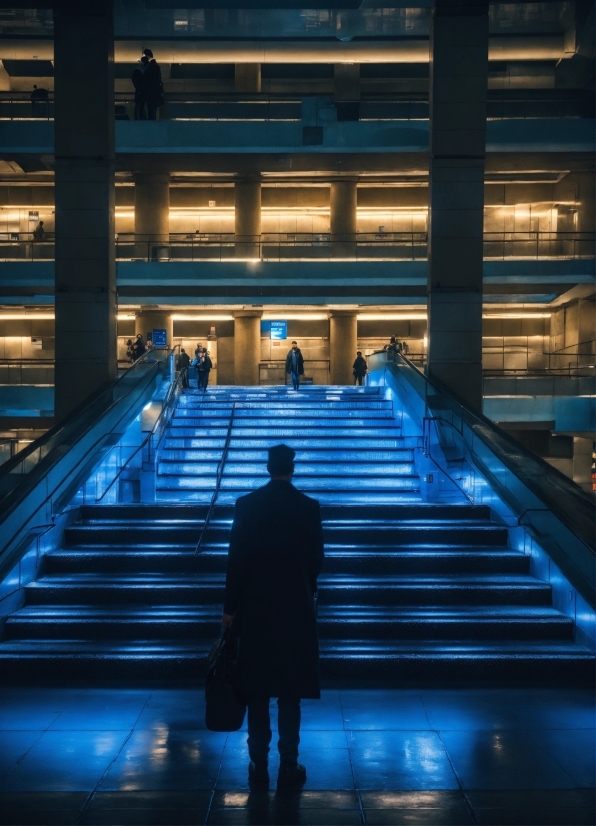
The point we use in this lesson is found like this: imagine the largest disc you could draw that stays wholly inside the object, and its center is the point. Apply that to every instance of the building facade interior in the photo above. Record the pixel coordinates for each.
(344, 174)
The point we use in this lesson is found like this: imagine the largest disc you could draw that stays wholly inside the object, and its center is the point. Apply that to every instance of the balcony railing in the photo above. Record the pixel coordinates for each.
(201, 106)
(388, 246)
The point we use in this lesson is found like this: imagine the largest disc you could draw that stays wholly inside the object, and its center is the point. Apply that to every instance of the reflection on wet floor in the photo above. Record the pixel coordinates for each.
(379, 756)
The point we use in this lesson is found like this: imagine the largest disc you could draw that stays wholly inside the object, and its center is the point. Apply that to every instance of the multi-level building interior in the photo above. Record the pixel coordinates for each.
(336, 173)
(287, 177)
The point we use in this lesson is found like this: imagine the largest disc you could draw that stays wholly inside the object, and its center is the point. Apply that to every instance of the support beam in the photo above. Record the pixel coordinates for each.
(247, 346)
(152, 215)
(343, 222)
(86, 356)
(247, 228)
(458, 95)
(343, 343)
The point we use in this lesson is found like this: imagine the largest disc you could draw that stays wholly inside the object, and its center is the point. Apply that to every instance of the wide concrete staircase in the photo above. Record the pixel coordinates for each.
(409, 590)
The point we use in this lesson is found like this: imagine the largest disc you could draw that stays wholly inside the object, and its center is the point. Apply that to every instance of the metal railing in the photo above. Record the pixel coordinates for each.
(284, 106)
(218, 477)
(284, 246)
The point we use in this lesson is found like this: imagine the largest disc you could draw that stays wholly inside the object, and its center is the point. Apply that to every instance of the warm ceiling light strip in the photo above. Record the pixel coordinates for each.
(27, 316)
(177, 317)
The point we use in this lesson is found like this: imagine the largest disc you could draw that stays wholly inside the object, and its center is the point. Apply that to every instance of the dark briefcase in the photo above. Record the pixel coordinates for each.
(225, 706)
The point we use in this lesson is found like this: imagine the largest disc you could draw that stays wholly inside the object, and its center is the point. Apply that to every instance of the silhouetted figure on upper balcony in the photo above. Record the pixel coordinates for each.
(39, 232)
(138, 79)
(295, 365)
(39, 102)
(275, 557)
(152, 85)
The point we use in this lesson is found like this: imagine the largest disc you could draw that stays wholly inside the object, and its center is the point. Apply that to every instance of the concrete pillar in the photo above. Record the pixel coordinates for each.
(148, 320)
(85, 274)
(458, 93)
(343, 343)
(152, 215)
(247, 346)
(247, 230)
(247, 77)
(582, 461)
(343, 222)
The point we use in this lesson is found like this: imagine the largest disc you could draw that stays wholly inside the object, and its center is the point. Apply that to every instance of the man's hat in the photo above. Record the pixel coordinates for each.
(281, 457)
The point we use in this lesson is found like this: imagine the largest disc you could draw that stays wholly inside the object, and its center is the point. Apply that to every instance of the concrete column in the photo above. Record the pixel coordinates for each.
(85, 274)
(458, 93)
(152, 215)
(582, 461)
(247, 77)
(343, 343)
(247, 346)
(342, 204)
(148, 320)
(247, 230)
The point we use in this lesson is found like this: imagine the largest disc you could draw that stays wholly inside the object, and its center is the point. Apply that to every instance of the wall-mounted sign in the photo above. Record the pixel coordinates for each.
(159, 338)
(279, 330)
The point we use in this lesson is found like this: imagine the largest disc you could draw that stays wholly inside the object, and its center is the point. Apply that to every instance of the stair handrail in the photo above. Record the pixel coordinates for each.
(218, 475)
(555, 511)
(168, 406)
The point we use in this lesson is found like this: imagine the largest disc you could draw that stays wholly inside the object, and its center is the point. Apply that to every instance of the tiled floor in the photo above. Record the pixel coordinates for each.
(394, 756)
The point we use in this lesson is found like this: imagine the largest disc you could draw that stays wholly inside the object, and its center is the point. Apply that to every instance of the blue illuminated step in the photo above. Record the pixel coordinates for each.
(347, 498)
(337, 468)
(267, 412)
(459, 660)
(305, 483)
(55, 622)
(194, 588)
(320, 405)
(322, 455)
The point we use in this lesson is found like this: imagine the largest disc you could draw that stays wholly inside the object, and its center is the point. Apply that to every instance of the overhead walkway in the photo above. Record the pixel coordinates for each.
(429, 573)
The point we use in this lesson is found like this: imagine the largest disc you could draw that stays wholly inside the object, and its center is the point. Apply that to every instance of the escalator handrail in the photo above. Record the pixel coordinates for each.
(551, 487)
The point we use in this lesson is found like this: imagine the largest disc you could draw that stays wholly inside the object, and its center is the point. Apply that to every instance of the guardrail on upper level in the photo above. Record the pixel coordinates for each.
(558, 514)
(37, 483)
(283, 246)
(268, 106)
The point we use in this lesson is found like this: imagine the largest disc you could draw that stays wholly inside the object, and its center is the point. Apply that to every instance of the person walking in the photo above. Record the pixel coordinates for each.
(204, 368)
(152, 85)
(360, 368)
(275, 556)
(39, 232)
(138, 347)
(138, 80)
(130, 353)
(295, 365)
(182, 365)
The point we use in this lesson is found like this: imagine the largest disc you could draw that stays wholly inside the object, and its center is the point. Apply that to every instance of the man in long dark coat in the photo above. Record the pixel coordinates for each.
(276, 554)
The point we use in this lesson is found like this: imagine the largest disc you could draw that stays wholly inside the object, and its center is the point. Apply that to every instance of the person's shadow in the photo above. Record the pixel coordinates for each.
(275, 808)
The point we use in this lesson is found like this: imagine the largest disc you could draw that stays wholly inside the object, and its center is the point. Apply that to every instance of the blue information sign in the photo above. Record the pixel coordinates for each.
(159, 338)
(279, 330)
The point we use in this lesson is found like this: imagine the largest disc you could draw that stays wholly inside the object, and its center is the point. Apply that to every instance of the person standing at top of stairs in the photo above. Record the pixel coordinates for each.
(182, 365)
(276, 554)
(295, 365)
